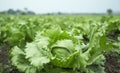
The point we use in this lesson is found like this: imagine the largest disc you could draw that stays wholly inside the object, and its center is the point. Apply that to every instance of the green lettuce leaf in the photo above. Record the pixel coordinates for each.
(37, 53)
(18, 60)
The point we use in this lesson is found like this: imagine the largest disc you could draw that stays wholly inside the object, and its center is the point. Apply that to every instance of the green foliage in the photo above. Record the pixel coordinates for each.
(59, 44)
(52, 47)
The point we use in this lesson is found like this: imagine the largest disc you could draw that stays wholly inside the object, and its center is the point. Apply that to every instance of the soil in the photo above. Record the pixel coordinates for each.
(112, 64)
(5, 60)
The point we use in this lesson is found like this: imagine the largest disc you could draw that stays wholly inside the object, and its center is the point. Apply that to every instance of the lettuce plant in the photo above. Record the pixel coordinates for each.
(63, 50)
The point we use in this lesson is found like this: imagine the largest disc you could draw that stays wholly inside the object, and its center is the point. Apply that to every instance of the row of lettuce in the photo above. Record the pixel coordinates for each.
(60, 44)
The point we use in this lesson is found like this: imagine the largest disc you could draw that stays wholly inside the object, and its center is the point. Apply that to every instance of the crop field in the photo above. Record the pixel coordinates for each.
(59, 44)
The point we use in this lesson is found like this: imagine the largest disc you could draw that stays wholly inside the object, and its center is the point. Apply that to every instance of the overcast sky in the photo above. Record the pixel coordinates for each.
(70, 6)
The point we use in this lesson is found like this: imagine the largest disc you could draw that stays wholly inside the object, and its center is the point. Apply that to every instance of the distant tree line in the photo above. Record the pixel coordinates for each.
(18, 12)
(29, 12)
